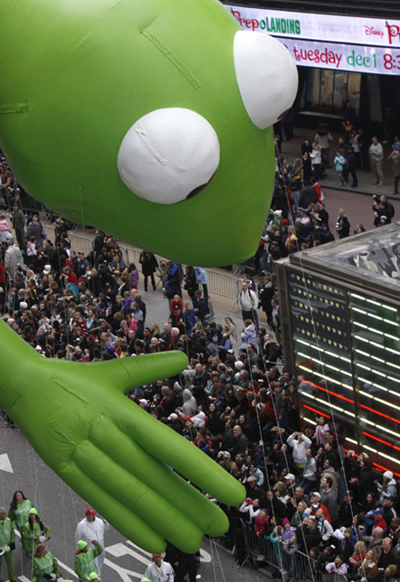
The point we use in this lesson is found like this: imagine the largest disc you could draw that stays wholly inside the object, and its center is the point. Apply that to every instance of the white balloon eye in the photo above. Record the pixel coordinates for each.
(267, 76)
(169, 155)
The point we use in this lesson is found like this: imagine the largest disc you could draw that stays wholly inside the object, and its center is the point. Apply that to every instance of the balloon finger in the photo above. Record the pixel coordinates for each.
(168, 484)
(160, 515)
(115, 512)
(165, 444)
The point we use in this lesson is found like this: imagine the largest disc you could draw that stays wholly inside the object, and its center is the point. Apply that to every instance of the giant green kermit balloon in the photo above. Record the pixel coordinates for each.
(145, 118)
(150, 120)
(110, 451)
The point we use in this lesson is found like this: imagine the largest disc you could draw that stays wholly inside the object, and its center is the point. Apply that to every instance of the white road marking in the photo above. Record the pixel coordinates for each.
(5, 464)
(140, 549)
(205, 556)
(119, 550)
(126, 575)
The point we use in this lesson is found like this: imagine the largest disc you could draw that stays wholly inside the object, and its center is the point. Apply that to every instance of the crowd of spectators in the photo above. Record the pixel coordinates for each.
(235, 401)
(298, 219)
(356, 150)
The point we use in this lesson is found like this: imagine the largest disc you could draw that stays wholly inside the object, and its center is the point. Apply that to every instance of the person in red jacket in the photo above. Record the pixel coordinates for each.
(69, 275)
(176, 302)
(379, 520)
(262, 524)
(316, 504)
(317, 188)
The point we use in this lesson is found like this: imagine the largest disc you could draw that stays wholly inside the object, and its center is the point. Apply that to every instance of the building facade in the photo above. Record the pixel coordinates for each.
(345, 53)
(340, 317)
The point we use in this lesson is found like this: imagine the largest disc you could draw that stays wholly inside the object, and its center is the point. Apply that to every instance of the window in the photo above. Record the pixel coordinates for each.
(328, 91)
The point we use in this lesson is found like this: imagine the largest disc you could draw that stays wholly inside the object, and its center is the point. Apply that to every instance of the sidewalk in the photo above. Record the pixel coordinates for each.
(292, 149)
(82, 240)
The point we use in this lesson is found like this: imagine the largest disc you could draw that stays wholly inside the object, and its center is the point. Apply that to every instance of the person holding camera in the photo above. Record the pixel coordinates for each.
(382, 207)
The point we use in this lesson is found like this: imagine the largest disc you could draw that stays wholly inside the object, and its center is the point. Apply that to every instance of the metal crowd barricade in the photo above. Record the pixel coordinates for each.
(288, 564)
(220, 284)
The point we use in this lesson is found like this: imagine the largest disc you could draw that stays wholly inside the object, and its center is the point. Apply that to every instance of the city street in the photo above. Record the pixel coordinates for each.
(61, 509)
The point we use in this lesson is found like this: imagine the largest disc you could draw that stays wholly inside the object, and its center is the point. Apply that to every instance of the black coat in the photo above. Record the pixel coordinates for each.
(346, 513)
(149, 263)
(366, 482)
(307, 539)
(307, 197)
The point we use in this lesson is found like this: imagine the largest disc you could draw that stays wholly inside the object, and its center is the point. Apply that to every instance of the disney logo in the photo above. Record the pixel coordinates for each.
(371, 30)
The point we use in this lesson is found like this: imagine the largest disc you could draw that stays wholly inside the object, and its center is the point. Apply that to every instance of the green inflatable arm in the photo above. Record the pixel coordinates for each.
(110, 451)
(131, 115)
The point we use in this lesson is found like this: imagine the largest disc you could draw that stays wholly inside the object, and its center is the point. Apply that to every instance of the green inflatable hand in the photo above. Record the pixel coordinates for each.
(110, 451)
(139, 115)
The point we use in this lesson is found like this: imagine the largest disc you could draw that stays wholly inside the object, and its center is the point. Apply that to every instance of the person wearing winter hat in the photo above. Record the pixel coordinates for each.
(159, 571)
(34, 532)
(84, 563)
(89, 528)
(378, 519)
(389, 512)
(94, 576)
(388, 488)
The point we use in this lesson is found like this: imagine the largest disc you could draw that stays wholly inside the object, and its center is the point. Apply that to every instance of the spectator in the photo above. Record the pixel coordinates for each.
(201, 306)
(248, 303)
(394, 158)
(13, 259)
(342, 224)
(339, 162)
(389, 513)
(364, 142)
(149, 266)
(338, 569)
(307, 196)
(18, 222)
(348, 509)
(202, 279)
(388, 561)
(389, 487)
(368, 568)
(325, 528)
(376, 154)
(323, 138)
(329, 498)
(309, 479)
(299, 443)
(308, 535)
(34, 229)
(352, 166)
(316, 157)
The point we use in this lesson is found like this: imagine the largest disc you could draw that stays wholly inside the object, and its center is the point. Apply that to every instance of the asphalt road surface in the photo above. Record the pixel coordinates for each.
(61, 509)
(358, 208)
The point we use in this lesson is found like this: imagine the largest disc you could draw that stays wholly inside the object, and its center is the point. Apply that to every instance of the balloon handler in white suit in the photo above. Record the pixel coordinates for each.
(92, 528)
